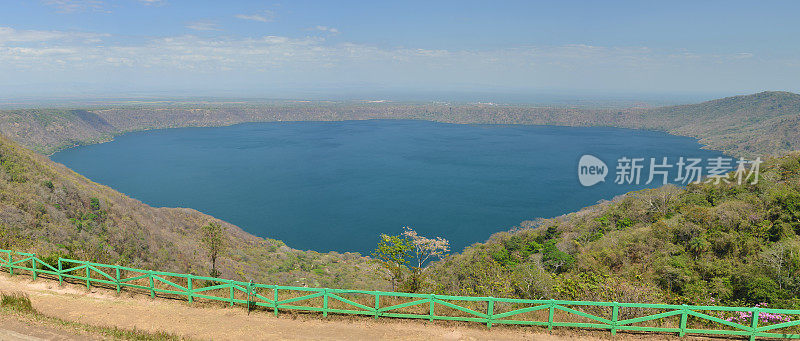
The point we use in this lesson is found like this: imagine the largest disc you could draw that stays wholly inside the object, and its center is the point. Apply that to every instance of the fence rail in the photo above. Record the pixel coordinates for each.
(612, 316)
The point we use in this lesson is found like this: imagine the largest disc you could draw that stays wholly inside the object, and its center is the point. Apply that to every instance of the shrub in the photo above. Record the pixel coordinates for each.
(17, 301)
(95, 203)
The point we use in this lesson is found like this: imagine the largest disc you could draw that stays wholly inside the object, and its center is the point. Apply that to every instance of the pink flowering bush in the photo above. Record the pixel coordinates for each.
(746, 316)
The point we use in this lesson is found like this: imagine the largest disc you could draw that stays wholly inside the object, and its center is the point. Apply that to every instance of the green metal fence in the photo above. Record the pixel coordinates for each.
(612, 316)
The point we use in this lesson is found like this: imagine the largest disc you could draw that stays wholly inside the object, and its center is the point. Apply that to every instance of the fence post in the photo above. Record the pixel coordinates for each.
(377, 304)
(117, 271)
(275, 298)
(152, 285)
(231, 289)
(60, 273)
(430, 315)
(249, 289)
(325, 302)
(754, 323)
(11, 263)
(614, 318)
(189, 289)
(490, 312)
(551, 315)
(88, 274)
(33, 266)
(684, 318)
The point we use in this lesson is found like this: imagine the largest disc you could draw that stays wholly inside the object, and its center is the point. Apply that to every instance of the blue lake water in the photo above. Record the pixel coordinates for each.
(339, 185)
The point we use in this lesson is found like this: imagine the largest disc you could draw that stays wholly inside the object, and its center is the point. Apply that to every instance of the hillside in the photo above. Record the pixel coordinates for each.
(758, 124)
(53, 211)
(706, 244)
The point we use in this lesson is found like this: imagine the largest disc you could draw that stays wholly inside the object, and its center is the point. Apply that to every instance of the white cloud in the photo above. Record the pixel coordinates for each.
(71, 6)
(263, 16)
(330, 30)
(10, 35)
(153, 2)
(203, 26)
(314, 60)
(260, 53)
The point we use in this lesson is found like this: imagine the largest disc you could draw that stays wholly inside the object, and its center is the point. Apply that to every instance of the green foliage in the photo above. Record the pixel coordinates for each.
(392, 254)
(95, 204)
(395, 252)
(754, 287)
(556, 260)
(51, 259)
(624, 223)
(580, 285)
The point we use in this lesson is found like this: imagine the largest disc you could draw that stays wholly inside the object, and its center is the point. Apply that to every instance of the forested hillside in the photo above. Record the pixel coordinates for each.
(53, 211)
(706, 244)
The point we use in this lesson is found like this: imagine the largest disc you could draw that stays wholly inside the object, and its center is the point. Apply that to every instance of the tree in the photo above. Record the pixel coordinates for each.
(424, 250)
(392, 254)
(215, 241)
(779, 259)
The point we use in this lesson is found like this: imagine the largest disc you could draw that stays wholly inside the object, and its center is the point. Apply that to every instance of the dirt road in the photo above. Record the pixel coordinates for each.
(102, 307)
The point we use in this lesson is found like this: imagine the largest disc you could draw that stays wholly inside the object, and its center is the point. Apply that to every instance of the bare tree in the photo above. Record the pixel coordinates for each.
(778, 258)
(426, 248)
(659, 200)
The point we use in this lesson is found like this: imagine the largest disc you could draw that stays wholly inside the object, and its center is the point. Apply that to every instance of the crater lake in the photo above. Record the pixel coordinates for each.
(338, 185)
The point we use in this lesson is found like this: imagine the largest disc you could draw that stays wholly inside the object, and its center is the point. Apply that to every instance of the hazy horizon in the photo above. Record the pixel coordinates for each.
(674, 52)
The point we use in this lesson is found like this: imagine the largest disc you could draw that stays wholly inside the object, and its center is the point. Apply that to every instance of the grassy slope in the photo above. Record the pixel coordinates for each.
(730, 244)
(47, 208)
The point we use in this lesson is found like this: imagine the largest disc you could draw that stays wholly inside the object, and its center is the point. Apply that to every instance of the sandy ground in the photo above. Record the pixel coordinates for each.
(102, 307)
(17, 328)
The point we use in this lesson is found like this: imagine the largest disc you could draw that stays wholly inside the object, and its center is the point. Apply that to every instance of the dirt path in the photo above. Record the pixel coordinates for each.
(19, 328)
(102, 307)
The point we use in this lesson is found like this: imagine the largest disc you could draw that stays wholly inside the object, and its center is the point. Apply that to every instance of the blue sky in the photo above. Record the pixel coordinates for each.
(314, 48)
